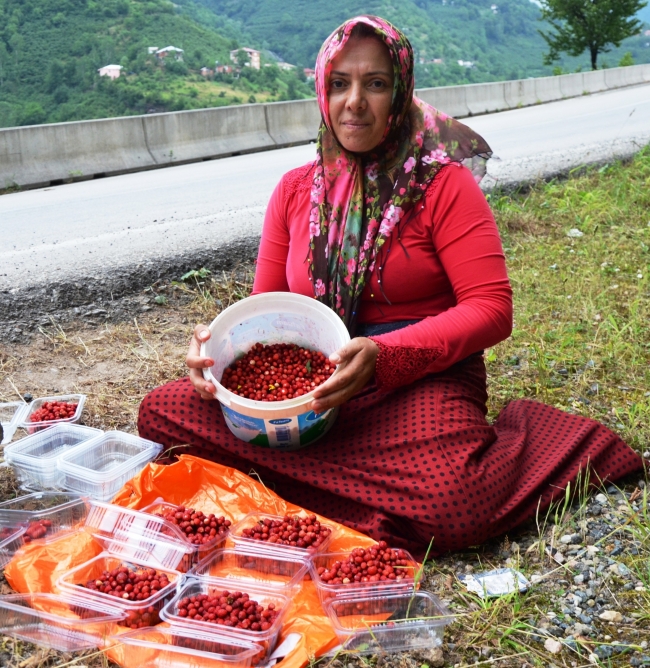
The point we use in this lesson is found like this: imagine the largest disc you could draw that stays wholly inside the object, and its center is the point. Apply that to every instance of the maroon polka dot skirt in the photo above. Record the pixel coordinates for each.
(417, 463)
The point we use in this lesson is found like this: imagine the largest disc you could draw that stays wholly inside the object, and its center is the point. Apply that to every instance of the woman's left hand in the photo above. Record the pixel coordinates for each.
(356, 362)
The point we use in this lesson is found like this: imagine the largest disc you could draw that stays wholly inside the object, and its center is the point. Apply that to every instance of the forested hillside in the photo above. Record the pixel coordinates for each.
(51, 50)
(498, 37)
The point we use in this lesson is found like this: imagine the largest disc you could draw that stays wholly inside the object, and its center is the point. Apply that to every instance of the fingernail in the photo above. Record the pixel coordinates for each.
(204, 334)
(208, 363)
(334, 357)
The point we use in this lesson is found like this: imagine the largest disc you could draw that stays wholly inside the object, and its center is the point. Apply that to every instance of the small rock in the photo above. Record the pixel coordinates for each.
(579, 579)
(553, 646)
(591, 603)
(611, 616)
(433, 657)
(582, 629)
(575, 233)
(535, 578)
(601, 498)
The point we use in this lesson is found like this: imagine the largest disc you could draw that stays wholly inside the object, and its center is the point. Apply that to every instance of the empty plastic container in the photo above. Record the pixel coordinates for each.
(266, 639)
(35, 457)
(278, 572)
(11, 416)
(63, 624)
(47, 516)
(100, 467)
(261, 546)
(391, 623)
(168, 647)
(33, 427)
(405, 583)
(145, 612)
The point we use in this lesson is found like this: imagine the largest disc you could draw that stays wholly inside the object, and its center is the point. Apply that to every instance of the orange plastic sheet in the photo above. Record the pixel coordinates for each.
(212, 488)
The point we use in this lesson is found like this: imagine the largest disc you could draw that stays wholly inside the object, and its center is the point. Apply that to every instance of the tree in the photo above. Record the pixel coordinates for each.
(588, 25)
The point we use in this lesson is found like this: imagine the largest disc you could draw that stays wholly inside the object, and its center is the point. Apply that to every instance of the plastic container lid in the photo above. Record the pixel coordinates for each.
(100, 467)
(126, 530)
(173, 646)
(35, 457)
(266, 639)
(390, 623)
(11, 416)
(33, 427)
(329, 591)
(275, 572)
(57, 622)
(59, 513)
(260, 546)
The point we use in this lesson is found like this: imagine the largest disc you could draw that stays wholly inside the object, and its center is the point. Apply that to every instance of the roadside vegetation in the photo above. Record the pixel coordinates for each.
(579, 254)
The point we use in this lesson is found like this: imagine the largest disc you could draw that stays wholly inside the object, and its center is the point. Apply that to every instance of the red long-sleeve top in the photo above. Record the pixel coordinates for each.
(446, 269)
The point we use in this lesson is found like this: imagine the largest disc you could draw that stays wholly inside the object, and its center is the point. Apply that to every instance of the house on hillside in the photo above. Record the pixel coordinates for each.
(110, 71)
(254, 59)
(206, 72)
(170, 51)
(466, 63)
(222, 69)
(152, 49)
(286, 66)
(309, 73)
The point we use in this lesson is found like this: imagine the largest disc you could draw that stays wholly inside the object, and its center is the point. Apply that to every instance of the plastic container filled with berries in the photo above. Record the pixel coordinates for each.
(48, 411)
(378, 568)
(205, 532)
(299, 534)
(139, 589)
(241, 611)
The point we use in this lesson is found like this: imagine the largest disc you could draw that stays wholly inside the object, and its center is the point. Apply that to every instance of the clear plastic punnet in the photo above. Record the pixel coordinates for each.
(33, 427)
(199, 550)
(138, 613)
(34, 458)
(125, 528)
(100, 467)
(11, 416)
(280, 573)
(391, 623)
(266, 639)
(168, 647)
(404, 581)
(11, 540)
(255, 520)
(47, 516)
(56, 622)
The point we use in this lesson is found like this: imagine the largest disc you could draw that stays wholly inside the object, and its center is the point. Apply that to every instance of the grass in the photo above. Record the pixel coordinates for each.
(582, 308)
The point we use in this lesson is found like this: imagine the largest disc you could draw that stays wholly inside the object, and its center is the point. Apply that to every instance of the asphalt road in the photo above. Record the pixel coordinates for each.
(94, 230)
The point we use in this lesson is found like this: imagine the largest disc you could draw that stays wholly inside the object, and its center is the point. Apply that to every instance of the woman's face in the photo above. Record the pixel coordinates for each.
(360, 94)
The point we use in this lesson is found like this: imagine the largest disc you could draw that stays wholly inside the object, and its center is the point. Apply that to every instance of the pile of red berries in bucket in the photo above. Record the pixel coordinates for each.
(224, 608)
(303, 532)
(54, 410)
(198, 528)
(378, 563)
(277, 372)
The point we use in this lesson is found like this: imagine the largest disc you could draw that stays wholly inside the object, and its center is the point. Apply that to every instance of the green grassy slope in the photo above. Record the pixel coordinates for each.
(50, 51)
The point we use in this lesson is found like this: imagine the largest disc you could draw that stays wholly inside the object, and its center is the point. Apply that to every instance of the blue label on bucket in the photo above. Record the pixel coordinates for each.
(280, 433)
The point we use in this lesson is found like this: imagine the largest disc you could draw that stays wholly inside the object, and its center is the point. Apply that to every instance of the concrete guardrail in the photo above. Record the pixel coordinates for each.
(39, 155)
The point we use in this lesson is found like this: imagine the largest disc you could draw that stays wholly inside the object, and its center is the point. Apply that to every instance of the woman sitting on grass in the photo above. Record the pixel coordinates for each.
(389, 229)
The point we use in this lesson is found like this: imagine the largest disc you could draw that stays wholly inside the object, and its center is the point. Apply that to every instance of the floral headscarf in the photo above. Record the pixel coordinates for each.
(357, 200)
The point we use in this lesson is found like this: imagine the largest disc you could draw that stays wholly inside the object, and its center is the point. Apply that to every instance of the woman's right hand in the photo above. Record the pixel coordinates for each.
(196, 363)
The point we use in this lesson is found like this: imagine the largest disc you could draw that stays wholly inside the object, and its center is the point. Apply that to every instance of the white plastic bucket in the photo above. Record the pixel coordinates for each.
(272, 317)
